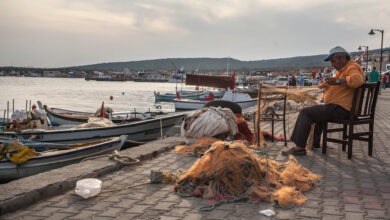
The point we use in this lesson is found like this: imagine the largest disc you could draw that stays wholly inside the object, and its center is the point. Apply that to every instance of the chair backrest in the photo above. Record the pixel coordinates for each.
(364, 101)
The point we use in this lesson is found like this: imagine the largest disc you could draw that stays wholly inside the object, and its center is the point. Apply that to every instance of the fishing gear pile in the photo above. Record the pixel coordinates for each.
(231, 170)
(216, 122)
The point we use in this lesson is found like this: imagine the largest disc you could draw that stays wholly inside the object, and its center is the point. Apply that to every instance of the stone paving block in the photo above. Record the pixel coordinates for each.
(125, 203)
(188, 202)
(330, 201)
(16, 215)
(380, 214)
(385, 195)
(150, 200)
(99, 206)
(46, 211)
(309, 212)
(153, 214)
(354, 216)
(39, 206)
(286, 213)
(332, 210)
(111, 212)
(29, 217)
(351, 200)
(161, 194)
(84, 214)
(312, 203)
(59, 216)
(332, 217)
(218, 214)
(163, 205)
(353, 208)
(137, 209)
(329, 194)
(74, 208)
(373, 205)
(126, 216)
(172, 198)
(136, 195)
(168, 218)
(192, 216)
(351, 193)
(178, 212)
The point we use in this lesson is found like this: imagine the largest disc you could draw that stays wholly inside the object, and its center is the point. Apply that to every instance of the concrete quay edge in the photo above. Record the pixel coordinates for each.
(20, 193)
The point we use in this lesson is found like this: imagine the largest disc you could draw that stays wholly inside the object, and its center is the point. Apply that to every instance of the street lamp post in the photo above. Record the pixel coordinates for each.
(360, 48)
(382, 32)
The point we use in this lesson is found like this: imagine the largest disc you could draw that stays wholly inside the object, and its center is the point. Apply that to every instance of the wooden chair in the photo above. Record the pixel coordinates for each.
(267, 95)
(362, 113)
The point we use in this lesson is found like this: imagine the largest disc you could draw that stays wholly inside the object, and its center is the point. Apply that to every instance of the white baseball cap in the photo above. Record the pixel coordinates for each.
(333, 51)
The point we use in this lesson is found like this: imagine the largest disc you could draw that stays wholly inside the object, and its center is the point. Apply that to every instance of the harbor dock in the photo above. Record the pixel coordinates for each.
(349, 189)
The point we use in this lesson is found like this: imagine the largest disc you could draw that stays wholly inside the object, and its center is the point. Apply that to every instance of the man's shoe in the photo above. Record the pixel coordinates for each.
(294, 151)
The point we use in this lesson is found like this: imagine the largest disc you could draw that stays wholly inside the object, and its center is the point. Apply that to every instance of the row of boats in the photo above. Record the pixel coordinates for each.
(74, 139)
(78, 135)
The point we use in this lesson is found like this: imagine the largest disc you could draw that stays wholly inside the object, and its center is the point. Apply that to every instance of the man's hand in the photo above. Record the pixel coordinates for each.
(334, 81)
(323, 85)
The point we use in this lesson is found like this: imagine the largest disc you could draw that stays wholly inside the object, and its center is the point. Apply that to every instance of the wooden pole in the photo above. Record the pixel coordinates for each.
(7, 111)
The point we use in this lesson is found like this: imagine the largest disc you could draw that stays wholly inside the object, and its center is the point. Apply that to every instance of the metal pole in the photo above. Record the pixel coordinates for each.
(366, 58)
(380, 65)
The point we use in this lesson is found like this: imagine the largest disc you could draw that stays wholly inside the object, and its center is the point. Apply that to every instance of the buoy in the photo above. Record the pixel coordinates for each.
(111, 98)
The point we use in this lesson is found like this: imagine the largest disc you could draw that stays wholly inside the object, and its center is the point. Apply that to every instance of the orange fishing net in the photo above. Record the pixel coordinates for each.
(231, 170)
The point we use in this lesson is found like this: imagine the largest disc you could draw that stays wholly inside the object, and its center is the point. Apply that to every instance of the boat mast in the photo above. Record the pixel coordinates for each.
(227, 67)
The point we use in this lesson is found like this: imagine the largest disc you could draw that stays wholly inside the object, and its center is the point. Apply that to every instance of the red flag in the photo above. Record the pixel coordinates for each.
(102, 112)
(234, 80)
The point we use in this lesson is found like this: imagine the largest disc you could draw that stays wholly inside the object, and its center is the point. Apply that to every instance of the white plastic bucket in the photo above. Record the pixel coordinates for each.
(89, 187)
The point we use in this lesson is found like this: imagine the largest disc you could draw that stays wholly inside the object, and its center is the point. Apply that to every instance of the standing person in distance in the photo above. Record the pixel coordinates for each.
(338, 94)
(374, 75)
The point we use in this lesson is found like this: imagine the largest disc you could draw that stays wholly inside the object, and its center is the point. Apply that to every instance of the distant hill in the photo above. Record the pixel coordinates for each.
(211, 64)
(219, 64)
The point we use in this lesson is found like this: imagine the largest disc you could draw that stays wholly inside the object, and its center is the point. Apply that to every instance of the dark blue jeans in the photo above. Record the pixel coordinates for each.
(317, 114)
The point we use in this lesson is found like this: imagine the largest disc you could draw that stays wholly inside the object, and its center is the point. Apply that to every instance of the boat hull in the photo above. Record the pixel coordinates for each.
(68, 117)
(145, 130)
(181, 104)
(52, 160)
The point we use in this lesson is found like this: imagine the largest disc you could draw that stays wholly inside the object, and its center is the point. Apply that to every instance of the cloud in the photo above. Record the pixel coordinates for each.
(76, 32)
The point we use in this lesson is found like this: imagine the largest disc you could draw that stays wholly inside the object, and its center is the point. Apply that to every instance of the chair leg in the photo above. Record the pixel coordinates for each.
(284, 130)
(344, 137)
(324, 137)
(272, 128)
(370, 139)
(350, 141)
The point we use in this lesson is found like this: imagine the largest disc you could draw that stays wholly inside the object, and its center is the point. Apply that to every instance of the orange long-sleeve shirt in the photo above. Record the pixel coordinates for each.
(342, 94)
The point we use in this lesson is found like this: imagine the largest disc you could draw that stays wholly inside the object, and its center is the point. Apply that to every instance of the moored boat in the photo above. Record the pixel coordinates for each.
(242, 99)
(56, 158)
(168, 97)
(144, 130)
(63, 116)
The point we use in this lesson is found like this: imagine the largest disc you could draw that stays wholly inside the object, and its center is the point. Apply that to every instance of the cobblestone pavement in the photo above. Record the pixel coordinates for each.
(349, 189)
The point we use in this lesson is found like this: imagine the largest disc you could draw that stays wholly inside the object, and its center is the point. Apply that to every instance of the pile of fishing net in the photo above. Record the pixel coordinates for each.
(16, 152)
(216, 122)
(96, 122)
(231, 170)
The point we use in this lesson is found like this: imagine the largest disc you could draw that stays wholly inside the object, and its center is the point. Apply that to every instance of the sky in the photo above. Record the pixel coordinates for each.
(61, 33)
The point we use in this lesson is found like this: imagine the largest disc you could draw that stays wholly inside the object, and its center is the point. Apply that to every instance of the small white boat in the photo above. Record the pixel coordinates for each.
(66, 117)
(242, 99)
(52, 159)
(168, 97)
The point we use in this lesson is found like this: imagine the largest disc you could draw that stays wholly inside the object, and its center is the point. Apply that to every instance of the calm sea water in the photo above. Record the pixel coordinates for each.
(81, 95)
